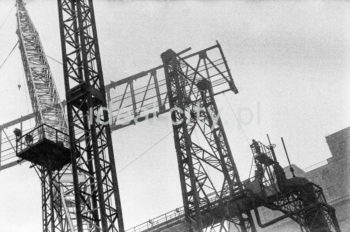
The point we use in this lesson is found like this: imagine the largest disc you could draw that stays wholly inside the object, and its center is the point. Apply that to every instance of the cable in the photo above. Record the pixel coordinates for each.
(7, 16)
(57, 61)
(239, 124)
(251, 167)
(143, 153)
(243, 132)
(314, 165)
(2, 64)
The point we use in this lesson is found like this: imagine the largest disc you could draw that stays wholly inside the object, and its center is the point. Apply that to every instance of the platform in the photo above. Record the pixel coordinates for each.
(44, 146)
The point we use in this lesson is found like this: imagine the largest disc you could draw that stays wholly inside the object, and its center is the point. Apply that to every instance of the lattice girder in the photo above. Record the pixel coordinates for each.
(47, 109)
(97, 196)
(194, 111)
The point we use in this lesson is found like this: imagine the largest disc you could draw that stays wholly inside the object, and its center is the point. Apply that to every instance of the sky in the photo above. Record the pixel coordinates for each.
(290, 61)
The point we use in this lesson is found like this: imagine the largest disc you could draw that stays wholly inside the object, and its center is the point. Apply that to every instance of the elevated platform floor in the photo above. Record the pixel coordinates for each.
(44, 146)
(46, 153)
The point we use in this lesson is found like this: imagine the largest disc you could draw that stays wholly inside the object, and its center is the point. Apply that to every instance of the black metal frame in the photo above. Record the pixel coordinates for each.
(149, 94)
(297, 198)
(188, 89)
(97, 198)
(39, 134)
(189, 82)
(52, 212)
(144, 95)
(307, 206)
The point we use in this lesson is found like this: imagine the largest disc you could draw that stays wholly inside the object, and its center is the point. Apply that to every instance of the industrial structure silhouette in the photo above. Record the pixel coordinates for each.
(73, 154)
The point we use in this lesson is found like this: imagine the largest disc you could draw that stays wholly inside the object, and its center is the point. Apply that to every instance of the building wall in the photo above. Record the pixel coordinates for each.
(333, 177)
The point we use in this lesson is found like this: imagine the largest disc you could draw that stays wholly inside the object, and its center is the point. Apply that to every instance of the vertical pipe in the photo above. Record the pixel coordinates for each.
(272, 149)
(285, 151)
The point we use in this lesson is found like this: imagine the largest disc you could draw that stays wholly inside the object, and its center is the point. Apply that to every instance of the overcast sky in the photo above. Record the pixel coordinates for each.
(290, 61)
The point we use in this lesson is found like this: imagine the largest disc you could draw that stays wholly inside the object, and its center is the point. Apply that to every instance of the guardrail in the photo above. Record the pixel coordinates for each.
(39, 133)
(174, 215)
(177, 214)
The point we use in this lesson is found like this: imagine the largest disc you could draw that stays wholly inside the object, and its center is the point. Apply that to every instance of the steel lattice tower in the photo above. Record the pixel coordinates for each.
(191, 96)
(97, 197)
(214, 197)
(47, 109)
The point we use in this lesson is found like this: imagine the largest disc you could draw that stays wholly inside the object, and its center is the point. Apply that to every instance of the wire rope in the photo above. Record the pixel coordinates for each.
(6, 18)
(5, 60)
(144, 152)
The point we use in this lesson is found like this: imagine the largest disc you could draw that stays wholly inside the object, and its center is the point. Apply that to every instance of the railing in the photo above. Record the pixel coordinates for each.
(319, 193)
(135, 98)
(37, 135)
(177, 214)
(173, 215)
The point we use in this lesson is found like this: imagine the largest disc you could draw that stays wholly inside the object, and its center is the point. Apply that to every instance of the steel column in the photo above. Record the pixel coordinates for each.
(97, 200)
(194, 114)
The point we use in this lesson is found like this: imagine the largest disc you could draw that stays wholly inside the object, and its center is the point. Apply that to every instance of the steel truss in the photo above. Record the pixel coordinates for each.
(86, 197)
(47, 110)
(131, 100)
(96, 190)
(307, 206)
(52, 205)
(206, 166)
(150, 98)
(297, 198)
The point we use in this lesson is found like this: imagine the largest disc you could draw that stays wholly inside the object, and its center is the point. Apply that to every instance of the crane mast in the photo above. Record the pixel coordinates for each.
(47, 110)
(190, 90)
(97, 198)
(75, 160)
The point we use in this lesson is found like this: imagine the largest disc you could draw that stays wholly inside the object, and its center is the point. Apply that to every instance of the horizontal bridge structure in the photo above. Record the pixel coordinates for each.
(288, 202)
(130, 100)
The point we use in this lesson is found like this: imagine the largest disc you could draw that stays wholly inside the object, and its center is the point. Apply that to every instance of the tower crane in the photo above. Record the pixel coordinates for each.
(49, 118)
(81, 149)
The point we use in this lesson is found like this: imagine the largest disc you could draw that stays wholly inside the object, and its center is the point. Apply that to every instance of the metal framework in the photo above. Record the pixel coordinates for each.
(47, 110)
(306, 205)
(148, 91)
(86, 196)
(97, 196)
(144, 95)
(297, 198)
(195, 113)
